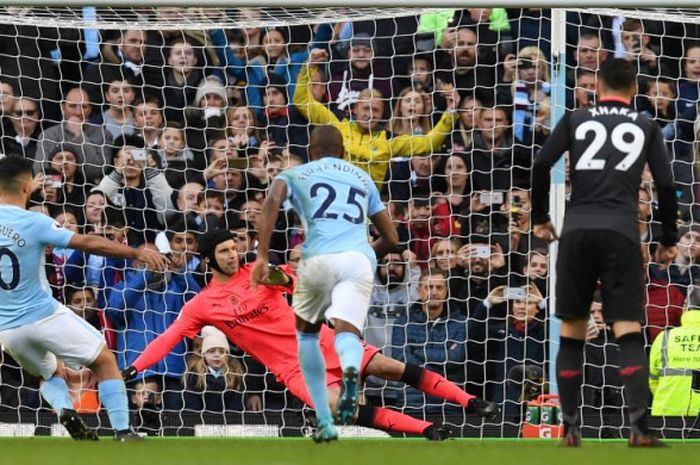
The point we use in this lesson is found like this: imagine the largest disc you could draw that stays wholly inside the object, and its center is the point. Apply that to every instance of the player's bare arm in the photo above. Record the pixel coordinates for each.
(273, 202)
(388, 237)
(102, 246)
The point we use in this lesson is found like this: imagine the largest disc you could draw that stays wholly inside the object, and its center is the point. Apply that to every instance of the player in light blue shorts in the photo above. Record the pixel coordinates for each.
(40, 332)
(333, 199)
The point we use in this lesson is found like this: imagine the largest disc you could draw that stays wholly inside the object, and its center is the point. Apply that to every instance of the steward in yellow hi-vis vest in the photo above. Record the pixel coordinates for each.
(674, 356)
(367, 146)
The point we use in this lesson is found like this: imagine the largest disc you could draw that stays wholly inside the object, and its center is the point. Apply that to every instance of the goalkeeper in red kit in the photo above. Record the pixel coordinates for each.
(260, 322)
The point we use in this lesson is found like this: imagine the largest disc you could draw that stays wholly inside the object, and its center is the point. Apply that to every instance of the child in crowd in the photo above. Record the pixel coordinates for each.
(213, 378)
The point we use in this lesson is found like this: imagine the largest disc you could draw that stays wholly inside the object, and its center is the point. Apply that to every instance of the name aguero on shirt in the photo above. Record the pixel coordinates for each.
(10, 233)
(339, 167)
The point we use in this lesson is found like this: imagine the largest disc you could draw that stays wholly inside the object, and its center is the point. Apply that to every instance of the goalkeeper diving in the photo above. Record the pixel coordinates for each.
(258, 320)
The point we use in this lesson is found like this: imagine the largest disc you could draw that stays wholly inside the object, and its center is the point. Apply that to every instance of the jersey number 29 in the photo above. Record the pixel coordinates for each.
(330, 193)
(632, 149)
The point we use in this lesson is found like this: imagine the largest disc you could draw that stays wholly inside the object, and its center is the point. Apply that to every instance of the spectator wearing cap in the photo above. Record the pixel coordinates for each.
(141, 307)
(214, 379)
(207, 118)
(75, 130)
(275, 59)
(366, 142)
(285, 126)
(360, 71)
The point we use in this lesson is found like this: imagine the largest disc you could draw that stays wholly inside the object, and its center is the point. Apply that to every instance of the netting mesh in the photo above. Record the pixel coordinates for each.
(151, 126)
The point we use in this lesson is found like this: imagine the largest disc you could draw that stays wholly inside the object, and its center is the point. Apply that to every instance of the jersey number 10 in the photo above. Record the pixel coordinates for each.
(14, 262)
(323, 213)
(632, 149)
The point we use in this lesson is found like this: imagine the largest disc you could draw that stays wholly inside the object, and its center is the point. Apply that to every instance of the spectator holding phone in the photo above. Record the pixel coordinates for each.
(536, 270)
(444, 256)
(520, 240)
(637, 47)
(68, 178)
(530, 87)
(516, 338)
(175, 157)
(480, 267)
(584, 88)
(143, 192)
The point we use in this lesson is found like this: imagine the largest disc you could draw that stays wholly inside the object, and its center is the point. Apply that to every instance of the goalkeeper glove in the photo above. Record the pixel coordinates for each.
(129, 373)
(277, 277)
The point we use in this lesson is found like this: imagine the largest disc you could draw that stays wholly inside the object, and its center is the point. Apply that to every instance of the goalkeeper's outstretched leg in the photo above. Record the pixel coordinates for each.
(430, 383)
(424, 380)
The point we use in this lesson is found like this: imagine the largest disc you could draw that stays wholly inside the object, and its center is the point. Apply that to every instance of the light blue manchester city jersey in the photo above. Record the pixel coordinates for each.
(333, 199)
(25, 296)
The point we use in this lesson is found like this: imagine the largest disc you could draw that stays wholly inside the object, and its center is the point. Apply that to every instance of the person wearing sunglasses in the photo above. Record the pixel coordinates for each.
(23, 131)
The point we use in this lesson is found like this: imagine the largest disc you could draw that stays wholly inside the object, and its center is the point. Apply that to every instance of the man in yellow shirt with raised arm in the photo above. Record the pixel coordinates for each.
(366, 145)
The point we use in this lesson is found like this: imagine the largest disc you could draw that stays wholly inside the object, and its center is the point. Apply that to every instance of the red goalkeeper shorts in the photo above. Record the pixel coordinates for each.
(294, 380)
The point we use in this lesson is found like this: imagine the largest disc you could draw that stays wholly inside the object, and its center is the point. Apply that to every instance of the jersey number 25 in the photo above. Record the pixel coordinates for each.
(323, 213)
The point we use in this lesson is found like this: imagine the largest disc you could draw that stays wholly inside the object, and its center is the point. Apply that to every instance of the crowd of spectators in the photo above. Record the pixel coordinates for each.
(153, 137)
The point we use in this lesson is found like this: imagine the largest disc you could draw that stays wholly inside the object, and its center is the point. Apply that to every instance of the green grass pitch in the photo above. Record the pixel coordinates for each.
(279, 451)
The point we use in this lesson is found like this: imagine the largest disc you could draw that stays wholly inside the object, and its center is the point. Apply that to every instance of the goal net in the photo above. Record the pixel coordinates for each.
(152, 126)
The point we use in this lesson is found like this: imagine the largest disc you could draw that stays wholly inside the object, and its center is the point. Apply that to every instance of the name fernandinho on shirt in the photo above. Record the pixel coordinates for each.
(339, 167)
